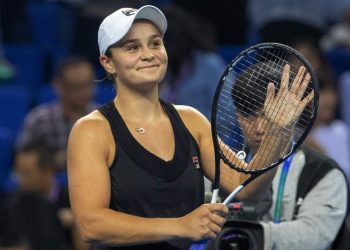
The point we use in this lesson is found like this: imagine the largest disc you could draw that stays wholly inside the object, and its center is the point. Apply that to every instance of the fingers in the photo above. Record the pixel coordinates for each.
(298, 79)
(216, 219)
(270, 94)
(217, 208)
(300, 83)
(301, 90)
(307, 99)
(205, 222)
(285, 79)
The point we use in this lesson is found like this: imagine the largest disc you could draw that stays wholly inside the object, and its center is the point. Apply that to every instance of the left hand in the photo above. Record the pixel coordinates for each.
(285, 108)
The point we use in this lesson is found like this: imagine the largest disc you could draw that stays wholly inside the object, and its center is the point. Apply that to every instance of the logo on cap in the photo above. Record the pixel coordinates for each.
(129, 12)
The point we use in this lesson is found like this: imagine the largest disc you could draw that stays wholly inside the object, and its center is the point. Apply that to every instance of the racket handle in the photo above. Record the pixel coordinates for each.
(215, 195)
(232, 195)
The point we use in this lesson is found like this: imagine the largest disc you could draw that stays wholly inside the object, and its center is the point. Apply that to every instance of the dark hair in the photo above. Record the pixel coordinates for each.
(68, 62)
(185, 34)
(44, 154)
(250, 87)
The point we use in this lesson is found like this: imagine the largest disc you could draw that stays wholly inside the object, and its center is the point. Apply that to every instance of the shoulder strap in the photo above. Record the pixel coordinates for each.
(170, 107)
(313, 171)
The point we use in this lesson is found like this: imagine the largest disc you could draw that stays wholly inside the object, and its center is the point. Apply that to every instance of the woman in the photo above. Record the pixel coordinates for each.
(134, 177)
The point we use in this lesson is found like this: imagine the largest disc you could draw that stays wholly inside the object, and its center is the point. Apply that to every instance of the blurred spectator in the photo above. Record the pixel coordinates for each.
(11, 237)
(34, 174)
(331, 134)
(194, 67)
(285, 20)
(313, 53)
(228, 17)
(51, 123)
(33, 220)
(338, 36)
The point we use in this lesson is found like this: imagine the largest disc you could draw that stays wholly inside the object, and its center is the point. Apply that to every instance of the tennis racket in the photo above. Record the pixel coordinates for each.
(268, 85)
(264, 107)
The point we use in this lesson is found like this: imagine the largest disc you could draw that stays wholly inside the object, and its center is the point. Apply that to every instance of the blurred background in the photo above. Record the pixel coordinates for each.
(50, 76)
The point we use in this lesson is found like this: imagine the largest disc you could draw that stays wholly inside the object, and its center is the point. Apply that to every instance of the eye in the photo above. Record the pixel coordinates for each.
(131, 47)
(156, 43)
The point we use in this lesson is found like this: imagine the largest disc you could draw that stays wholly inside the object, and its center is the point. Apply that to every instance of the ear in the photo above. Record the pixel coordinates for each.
(107, 64)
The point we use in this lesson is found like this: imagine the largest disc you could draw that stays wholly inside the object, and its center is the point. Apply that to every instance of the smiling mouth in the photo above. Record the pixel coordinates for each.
(149, 67)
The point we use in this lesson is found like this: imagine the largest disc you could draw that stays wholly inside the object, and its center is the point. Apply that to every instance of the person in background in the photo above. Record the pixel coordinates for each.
(322, 211)
(11, 237)
(195, 67)
(33, 220)
(34, 173)
(331, 134)
(338, 35)
(285, 21)
(50, 123)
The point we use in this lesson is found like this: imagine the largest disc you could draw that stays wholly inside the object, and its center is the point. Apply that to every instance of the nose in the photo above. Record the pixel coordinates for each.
(147, 55)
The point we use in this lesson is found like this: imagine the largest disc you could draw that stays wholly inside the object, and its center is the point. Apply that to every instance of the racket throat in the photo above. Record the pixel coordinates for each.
(233, 195)
(239, 189)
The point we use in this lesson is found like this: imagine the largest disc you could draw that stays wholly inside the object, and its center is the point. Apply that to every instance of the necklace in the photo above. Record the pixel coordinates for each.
(140, 130)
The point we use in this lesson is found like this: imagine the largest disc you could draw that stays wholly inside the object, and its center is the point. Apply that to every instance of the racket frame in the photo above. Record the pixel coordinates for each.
(219, 155)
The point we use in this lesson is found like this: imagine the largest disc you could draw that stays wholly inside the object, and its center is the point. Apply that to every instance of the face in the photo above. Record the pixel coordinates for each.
(139, 60)
(76, 88)
(327, 106)
(253, 129)
(28, 172)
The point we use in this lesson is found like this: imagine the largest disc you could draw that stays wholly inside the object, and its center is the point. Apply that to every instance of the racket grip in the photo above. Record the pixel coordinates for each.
(215, 195)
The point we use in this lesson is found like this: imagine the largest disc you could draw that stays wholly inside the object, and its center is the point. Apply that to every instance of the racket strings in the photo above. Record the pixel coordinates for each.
(250, 101)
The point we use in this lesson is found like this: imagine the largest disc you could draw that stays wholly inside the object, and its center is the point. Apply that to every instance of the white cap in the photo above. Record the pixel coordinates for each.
(115, 26)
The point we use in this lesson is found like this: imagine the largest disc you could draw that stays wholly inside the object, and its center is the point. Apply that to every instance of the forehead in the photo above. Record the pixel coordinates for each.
(140, 28)
(82, 71)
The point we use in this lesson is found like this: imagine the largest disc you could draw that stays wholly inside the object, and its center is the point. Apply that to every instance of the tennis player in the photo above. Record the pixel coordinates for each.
(136, 165)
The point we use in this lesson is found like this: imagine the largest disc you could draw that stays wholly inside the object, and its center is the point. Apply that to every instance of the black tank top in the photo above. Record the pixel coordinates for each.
(145, 185)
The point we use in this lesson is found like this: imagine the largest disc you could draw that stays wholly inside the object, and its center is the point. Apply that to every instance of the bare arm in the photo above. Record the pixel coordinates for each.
(90, 151)
(229, 178)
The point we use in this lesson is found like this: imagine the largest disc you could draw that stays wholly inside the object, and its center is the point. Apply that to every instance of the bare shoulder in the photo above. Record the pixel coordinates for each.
(93, 123)
(190, 113)
(194, 120)
(91, 135)
(91, 129)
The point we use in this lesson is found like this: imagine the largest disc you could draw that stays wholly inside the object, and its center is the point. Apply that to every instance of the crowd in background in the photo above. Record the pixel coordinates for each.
(49, 78)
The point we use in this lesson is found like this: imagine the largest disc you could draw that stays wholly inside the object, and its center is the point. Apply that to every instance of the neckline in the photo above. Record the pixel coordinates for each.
(140, 147)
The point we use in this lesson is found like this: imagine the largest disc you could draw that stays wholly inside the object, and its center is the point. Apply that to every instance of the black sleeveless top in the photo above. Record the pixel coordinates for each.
(144, 185)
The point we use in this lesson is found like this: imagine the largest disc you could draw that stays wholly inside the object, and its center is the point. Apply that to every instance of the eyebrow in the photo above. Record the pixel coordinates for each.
(122, 42)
